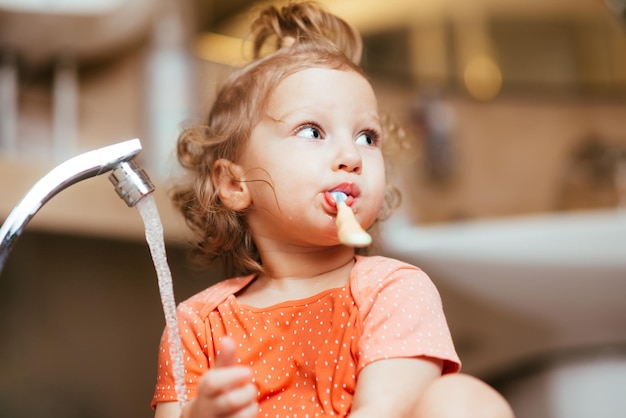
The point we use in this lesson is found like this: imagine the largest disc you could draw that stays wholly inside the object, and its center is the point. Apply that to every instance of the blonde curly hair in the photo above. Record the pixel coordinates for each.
(285, 40)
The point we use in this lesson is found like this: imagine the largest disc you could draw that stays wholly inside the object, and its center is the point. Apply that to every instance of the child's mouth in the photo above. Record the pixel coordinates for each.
(334, 196)
(348, 228)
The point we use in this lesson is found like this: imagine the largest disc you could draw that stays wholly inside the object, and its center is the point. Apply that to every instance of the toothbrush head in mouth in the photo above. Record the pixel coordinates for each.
(339, 197)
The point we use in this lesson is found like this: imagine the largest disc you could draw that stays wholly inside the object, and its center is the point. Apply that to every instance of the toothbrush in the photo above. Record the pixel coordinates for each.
(350, 232)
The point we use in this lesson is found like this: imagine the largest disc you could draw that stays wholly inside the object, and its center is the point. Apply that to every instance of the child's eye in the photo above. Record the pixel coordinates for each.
(368, 138)
(310, 132)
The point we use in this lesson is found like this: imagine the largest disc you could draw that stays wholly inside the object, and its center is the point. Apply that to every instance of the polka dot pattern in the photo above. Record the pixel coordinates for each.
(305, 355)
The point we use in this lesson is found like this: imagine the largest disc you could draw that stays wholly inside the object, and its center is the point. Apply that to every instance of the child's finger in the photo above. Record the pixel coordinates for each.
(219, 380)
(226, 354)
(233, 401)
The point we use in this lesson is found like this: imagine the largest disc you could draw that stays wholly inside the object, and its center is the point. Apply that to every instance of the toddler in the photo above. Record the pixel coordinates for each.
(307, 326)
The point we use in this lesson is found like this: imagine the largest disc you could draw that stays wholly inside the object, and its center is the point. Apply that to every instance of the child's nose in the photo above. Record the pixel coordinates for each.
(348, 157)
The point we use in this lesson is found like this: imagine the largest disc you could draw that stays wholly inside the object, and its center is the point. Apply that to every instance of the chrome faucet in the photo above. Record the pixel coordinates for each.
(130, 181)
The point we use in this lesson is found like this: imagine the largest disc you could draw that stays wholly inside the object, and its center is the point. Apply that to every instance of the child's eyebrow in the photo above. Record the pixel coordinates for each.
(296, 111)
(372, 118)
(276, 118)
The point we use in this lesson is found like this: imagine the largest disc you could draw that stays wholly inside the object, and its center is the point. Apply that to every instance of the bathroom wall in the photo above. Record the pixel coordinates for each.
(514, 156)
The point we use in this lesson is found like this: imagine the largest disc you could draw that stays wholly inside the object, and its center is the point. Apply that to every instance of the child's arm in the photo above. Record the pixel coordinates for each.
(391, 388)
(223, 391)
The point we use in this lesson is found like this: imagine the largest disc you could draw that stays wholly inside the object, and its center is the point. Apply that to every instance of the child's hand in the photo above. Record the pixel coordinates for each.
(225, 390)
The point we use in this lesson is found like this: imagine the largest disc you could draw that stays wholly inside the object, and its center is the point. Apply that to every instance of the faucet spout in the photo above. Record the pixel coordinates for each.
(90, 164)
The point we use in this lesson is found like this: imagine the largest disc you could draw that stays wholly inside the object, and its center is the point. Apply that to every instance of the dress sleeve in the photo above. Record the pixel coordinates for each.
(402, 315)
(198, 350)
(195, 357)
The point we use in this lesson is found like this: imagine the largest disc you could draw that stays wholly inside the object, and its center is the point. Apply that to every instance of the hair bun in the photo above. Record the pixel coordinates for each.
(303, 22)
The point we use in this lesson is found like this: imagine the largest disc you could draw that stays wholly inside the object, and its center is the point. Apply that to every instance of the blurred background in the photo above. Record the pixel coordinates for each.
(514, 187)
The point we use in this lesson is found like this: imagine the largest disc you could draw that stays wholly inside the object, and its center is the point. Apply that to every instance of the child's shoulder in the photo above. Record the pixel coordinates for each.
(378, 267)
(203, 302)
(373, 273)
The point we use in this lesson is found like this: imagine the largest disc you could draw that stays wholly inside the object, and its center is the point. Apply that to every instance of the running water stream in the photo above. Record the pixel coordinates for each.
(154, 236)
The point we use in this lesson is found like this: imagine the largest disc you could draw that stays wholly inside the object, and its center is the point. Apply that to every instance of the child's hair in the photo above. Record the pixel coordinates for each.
(285, 40)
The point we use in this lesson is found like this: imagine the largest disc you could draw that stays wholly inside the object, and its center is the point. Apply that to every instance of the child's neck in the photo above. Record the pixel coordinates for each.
(297, 276)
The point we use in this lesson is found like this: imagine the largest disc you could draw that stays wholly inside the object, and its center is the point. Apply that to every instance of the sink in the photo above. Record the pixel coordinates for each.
(87, 30)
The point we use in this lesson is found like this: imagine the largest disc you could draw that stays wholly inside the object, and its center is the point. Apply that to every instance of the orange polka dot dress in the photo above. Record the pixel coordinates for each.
(306, 354)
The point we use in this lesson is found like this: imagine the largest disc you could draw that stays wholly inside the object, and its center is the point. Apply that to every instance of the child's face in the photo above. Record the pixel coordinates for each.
(321, 133)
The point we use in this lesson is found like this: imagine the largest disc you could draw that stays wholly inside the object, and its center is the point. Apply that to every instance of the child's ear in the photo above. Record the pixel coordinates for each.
(230, 185)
